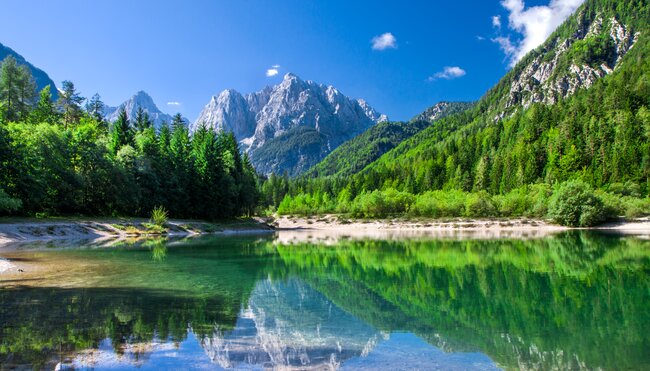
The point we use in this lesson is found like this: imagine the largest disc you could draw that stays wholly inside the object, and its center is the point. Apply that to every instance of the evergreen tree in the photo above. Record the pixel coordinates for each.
(142, 120)
(45, 110)
(121, 132)
(95, 108)
(70, 103)
(17, 89)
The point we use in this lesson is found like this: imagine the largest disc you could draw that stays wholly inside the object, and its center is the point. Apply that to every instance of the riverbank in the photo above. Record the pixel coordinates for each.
(334, 227)
(27, 229)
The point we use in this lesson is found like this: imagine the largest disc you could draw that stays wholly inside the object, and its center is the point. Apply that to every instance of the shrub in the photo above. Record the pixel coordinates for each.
(515, 203)
(574, 204)
(438, 204)
(7, 203)
(480, 205)
(159, 216)
(378, 204)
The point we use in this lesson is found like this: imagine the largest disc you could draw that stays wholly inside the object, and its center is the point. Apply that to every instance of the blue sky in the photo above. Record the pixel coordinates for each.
(401, 56)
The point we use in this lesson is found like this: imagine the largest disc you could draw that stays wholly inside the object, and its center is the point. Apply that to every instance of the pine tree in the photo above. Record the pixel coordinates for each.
(142, 120)
(45, 110)
(121, 133)
(95, 108)
(17, 89)
(70, 103)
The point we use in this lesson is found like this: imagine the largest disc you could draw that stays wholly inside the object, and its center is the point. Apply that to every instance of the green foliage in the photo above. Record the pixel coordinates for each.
(17, 89)
(8, 204)
(159, 216)
(574, 204)
(69, 163)
(379, 204)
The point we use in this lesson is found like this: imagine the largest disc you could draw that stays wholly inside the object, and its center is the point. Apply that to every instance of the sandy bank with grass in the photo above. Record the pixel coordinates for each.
(334, 227)
(25, 230)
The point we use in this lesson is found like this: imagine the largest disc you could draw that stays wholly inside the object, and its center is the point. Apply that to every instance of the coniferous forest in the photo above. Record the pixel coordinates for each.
(62, 158)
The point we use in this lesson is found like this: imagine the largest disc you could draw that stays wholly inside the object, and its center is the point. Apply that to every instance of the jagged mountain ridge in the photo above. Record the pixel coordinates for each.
(139, 99)
(40, 77)
(269, 119)
(588, 47)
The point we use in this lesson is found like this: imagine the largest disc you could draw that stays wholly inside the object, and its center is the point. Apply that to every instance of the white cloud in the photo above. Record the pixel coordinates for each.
(276, 66)
(496, 21)
(384, 41)
(272, 71)
(448, 73)
(534, 24)
(173, 103)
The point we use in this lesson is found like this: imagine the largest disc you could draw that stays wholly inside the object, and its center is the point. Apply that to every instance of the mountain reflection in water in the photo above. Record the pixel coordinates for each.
(567, 301)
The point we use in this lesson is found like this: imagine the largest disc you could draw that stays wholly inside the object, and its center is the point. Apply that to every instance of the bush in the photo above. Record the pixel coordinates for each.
(159, 216)
(7, 203)
(437, 204)
(378, 204)
(480, 205)
(574, 204)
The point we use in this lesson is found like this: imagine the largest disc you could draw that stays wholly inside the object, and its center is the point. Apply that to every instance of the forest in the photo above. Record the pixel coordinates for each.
(587, 154)
(62, 158)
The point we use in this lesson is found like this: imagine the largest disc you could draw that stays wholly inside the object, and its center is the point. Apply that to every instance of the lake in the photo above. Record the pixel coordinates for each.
(573, 300)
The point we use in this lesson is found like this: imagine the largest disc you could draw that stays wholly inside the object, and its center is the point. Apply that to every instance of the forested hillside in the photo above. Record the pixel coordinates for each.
(58, 158)
(597, 135)
(355, 154)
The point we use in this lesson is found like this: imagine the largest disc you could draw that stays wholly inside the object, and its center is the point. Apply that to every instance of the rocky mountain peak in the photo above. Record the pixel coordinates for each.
(564, 65)
(292, 106)
(140, 99)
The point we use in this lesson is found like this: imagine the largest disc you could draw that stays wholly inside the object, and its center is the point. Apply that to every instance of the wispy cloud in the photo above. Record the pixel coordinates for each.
(174, 103)
(534, 25)
(274, 70)
(384, 41)
(496, 21)
(448, 73)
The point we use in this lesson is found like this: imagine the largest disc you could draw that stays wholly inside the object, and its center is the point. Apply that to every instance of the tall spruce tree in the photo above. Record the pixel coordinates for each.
(70, 103)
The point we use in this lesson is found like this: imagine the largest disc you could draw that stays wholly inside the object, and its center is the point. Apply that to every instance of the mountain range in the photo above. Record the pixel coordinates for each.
(291, 126)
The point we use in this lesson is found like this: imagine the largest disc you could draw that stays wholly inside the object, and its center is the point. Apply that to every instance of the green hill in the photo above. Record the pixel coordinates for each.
(577, 107)
(355, 154)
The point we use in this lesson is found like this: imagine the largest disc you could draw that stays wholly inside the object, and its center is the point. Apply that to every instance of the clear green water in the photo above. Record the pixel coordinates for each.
(569, 301)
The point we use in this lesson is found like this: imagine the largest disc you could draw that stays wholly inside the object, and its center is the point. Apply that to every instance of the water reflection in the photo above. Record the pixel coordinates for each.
(568, 301)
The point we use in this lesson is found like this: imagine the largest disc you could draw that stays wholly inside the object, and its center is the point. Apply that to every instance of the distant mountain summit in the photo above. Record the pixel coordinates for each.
(139, 99)
(40, 77)
(289, 126)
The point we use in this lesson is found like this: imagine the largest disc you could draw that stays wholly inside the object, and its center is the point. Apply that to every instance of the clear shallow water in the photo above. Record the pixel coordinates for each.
(569, 301)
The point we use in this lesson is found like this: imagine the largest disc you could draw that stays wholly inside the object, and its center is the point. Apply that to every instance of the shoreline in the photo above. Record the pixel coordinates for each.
(25, 230)
(333, 227)
(97, 230)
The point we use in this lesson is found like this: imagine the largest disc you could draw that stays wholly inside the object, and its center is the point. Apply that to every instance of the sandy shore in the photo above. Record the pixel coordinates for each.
(96, 231)
(333, 228)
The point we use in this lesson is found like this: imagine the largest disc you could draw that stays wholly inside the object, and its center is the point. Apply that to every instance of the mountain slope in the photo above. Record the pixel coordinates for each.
(139, 99)
(355, 154)
(40, 77)
(271, 124)
(597, 129)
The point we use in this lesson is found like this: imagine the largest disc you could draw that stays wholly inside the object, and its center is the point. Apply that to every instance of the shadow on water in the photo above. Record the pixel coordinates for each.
(568, 301)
